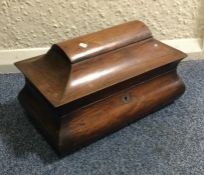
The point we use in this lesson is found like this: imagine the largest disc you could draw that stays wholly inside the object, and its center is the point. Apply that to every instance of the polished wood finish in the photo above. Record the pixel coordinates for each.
(93, 85)
(105, 40)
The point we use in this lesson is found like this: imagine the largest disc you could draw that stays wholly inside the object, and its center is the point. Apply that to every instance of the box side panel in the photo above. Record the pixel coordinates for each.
(86, 125)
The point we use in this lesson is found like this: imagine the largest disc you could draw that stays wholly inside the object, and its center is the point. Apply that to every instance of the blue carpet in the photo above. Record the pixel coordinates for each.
(170, 141)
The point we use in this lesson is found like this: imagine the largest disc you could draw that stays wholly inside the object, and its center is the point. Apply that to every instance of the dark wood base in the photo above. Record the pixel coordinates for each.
(71, 131)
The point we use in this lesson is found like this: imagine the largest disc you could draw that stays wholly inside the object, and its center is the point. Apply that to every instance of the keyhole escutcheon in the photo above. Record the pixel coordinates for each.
(126, 98)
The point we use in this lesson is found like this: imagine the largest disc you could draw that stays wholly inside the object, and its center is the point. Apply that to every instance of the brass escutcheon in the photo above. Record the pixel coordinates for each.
(126, 98)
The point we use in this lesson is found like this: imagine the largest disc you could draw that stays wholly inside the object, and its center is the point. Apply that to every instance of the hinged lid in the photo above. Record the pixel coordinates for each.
(79, 67)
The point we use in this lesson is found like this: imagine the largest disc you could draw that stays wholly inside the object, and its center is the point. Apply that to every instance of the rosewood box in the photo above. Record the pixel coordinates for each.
(88, 87)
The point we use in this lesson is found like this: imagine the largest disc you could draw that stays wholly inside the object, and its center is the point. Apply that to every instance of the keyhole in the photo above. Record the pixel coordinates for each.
(126, 98)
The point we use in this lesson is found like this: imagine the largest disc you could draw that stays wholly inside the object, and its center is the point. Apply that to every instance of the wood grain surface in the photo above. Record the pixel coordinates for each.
(88, 87)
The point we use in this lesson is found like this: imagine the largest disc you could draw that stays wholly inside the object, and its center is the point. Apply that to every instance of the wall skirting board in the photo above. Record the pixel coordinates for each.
(192, 46)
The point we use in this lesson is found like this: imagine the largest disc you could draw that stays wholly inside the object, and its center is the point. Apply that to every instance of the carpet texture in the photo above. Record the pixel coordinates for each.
(170, 141)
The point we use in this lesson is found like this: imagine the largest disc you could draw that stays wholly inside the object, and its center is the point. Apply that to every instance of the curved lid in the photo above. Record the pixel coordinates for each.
(66, 74)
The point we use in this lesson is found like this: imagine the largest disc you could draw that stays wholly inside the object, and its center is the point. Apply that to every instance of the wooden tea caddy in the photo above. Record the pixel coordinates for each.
(88, 87)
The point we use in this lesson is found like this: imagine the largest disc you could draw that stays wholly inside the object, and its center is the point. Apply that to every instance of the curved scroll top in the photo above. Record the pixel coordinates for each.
(93, 44)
